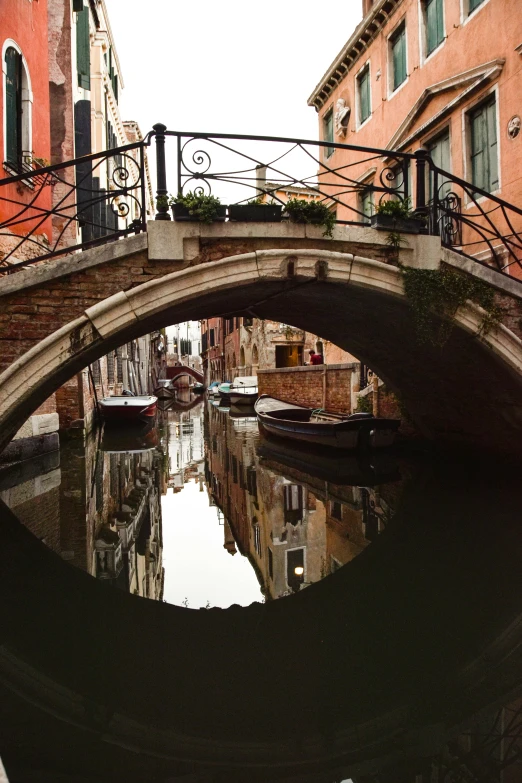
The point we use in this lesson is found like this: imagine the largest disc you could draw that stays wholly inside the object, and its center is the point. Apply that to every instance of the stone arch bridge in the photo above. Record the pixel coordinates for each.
(56, 318)
(179, 370)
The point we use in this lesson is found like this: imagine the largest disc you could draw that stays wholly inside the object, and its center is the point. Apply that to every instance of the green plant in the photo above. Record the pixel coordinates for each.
(435, 295)
(364, 404)
(255, 201)
(162, 201)
(396, 208)
(40, 163)
(205, 208)
(302, 211)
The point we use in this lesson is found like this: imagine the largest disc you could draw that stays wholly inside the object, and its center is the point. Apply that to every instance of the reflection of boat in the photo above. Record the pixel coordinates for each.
(128, 406)
(242, 411)
(361, 470)
(175, 404)
(165, 390)
(131, 439)
(322, 428)
(212, 389)
(198, 388)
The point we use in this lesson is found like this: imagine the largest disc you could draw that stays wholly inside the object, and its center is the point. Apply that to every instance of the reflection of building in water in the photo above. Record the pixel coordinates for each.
(185, 447)
(489, 750)
(99, 509)
(295, 530)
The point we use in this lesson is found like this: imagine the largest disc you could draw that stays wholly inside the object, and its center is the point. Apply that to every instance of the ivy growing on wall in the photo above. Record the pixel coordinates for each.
(435, 295)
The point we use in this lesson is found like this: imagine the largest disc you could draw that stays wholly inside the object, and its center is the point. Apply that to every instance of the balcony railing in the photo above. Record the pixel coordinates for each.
(99, 198)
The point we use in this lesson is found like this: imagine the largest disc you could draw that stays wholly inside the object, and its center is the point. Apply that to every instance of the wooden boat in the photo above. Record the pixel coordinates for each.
(242, 391)
(165, 390)
(340, 431)
(127, 407)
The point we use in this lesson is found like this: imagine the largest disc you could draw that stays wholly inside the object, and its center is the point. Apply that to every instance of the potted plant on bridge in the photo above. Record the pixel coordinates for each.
(315, 212)
(256, 211)
(197, 207)
(396, 215)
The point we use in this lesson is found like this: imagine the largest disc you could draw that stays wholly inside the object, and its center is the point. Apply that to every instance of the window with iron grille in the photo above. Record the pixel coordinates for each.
(119, 366)
(484, 146)
(363, 90)
(398, 57)
(110, 368)
(96, 372)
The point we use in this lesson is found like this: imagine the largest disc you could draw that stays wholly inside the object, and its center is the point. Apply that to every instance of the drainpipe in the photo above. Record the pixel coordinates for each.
(324, 387)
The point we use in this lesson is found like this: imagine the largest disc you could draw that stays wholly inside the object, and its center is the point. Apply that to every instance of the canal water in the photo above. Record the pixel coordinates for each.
(414, 562)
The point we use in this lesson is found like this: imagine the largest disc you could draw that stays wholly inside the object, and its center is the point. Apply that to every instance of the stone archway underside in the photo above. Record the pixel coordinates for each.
(468, 392)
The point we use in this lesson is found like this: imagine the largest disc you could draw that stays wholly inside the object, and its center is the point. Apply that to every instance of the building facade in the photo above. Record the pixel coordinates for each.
(431, 74)
(25, 141)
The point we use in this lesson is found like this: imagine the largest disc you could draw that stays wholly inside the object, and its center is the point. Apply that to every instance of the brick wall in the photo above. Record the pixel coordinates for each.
(308, 386)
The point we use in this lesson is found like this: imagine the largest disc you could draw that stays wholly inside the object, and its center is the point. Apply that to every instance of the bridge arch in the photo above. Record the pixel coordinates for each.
(471, 387)
(178, 370)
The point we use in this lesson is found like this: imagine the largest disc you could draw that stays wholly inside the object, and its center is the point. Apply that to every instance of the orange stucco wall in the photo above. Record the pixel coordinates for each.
(25, 23)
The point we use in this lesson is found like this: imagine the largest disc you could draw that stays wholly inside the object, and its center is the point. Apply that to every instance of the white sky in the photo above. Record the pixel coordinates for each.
(229, 66)
(197, 567)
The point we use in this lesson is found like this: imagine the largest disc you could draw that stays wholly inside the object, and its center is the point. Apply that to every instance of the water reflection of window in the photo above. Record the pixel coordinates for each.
(370, 517)
(293, 496)
(257, 536)
(336, 510)
(99, 482)
(234, 469)
(114, 476)
(270, 564)
(252, 482)
(295, 567)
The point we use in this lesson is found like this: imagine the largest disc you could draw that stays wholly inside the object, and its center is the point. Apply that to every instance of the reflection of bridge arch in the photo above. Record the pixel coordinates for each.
(357, 303)
(366, 681)
(178, 370)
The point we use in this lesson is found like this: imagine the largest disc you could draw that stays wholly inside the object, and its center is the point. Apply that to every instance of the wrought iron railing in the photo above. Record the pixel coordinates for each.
(102, 197)
(52, 210)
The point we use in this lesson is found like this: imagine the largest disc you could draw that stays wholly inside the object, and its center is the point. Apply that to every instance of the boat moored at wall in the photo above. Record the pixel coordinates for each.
(127, 407)
(335, 430)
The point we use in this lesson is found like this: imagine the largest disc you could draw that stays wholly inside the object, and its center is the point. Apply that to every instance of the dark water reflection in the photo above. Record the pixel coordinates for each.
(403, 667)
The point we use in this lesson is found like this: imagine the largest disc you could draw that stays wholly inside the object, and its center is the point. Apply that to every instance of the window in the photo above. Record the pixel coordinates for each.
(363, 92)
(328, 134)
(484, 149)
(18, 107)
(110, 368)
(366, 204)
(83, 49)
(293, 498)
(434, 20)
(440, 154)
(336, 510)
(398, 57)
(473, 4)
(270, 564)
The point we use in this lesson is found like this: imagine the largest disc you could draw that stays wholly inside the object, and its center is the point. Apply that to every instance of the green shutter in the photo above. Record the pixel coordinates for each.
(441, 157)
(328, 131)
(77, 5)
(13, 120)
(474, 4)
(492, 148)
(434, 24)
(364, 95)
(484, 159)
(399, 58)
(83, 49)
(367, 204)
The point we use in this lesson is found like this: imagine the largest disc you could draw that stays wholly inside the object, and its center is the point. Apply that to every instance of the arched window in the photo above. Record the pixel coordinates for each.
(17, 106)
(241, 357)
(255, 357)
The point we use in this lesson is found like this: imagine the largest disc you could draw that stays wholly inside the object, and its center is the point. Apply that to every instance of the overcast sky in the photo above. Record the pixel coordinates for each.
(229, 66)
